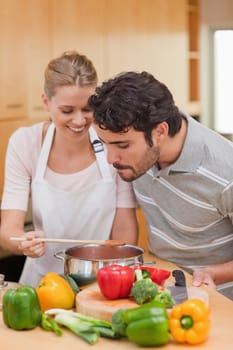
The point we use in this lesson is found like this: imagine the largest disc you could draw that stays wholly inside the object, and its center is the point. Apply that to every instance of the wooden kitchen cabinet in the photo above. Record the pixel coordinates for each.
(150, 35)
(81, 26)
(25, 51)
(118, 35)
(193, 20)
(39, 52)
(13, 77)
(122, 35)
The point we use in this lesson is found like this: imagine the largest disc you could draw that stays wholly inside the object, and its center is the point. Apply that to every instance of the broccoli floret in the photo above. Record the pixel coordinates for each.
(144, 289)
(118, 323)
(165, 297)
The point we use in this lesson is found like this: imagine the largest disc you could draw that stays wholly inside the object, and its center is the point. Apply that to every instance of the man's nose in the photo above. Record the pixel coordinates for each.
(112, 156)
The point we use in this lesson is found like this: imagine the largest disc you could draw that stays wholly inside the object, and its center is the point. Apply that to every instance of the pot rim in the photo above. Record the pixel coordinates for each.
(139, 251)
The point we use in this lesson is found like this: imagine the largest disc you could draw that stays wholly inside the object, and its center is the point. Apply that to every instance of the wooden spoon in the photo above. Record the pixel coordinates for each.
(110, 242)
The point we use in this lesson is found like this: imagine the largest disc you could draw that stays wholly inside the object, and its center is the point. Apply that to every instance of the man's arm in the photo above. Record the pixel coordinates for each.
(213, 275)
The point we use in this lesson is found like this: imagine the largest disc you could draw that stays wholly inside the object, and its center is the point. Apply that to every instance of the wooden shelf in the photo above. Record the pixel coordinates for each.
(194, 52)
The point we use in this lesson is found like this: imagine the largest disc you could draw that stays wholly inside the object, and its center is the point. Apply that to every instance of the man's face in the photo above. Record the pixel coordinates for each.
(128, 152)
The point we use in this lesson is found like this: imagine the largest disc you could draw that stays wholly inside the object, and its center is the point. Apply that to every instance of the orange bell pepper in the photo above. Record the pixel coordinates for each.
(189, 322)
(55, 292)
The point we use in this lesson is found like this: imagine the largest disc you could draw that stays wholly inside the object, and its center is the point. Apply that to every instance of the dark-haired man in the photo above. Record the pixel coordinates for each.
(182, 173)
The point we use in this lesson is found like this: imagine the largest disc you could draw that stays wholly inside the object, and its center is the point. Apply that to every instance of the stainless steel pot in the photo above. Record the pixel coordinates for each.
(83, 261)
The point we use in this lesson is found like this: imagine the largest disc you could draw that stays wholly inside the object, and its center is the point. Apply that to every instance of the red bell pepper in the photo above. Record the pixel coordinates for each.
(115, 281)
(158, 276)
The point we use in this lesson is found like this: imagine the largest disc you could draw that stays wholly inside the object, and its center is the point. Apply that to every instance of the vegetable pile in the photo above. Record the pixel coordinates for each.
(116, 281)
(146, 325)
(50, 304)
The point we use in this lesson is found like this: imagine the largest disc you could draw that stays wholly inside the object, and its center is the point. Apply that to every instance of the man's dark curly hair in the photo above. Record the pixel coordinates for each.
(135, 100)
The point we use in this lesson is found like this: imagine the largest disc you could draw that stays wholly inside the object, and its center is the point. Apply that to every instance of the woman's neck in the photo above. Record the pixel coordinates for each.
(70, 157)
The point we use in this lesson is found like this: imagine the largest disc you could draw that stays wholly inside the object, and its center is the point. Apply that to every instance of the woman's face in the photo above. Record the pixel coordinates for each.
(68, 110)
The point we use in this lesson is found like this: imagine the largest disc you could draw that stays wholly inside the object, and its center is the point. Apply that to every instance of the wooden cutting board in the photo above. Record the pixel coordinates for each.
(91, 302)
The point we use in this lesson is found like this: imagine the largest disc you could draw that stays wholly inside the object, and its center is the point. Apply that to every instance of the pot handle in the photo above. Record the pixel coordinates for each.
(60, 255)
(149, 262)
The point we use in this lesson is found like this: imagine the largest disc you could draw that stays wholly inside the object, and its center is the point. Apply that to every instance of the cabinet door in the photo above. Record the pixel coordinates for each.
(149, 35)
(39, 52)
(7, 127)
(79, 25)
(25, 51)
(12, 60)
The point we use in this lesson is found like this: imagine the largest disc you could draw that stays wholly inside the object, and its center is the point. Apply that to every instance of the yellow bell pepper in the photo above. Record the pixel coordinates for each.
(189, 322)
(55, 292)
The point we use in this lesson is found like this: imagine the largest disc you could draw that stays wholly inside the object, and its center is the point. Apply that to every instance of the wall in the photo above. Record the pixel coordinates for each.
(214, 14)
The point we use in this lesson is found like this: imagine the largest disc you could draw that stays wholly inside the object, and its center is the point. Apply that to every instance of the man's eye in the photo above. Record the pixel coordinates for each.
(123, 146)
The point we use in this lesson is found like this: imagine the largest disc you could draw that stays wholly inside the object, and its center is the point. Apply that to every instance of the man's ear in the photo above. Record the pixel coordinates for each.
(45, 101)
(160, 132)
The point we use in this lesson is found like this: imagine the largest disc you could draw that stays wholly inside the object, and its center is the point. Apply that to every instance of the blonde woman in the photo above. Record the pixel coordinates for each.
(62, 164)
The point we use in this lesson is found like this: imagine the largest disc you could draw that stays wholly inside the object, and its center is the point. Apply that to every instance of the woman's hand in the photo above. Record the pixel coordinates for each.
(31, 247)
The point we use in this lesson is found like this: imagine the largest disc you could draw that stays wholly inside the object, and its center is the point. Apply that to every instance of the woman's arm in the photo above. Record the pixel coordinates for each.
(125, 226)
(19, 166)
(12, 225)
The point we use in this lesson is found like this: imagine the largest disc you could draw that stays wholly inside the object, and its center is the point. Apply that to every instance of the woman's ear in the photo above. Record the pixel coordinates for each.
(45, 101)
(160, 132)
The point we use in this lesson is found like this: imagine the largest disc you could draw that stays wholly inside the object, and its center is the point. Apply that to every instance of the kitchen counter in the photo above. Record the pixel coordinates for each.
(221, 334)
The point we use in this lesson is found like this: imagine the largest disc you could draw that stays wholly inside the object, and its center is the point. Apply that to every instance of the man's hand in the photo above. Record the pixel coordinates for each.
(214, 275)
(203, 277)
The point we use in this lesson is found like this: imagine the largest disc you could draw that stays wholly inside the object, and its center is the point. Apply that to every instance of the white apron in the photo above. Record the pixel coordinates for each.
(84, 214)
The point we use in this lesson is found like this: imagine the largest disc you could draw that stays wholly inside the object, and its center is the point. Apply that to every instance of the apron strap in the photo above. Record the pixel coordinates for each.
(97, 145)
(44, 153)
(100, 154)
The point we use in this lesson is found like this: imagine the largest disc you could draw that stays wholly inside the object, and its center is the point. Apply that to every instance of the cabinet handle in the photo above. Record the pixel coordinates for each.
(38, 108)
(14, 105)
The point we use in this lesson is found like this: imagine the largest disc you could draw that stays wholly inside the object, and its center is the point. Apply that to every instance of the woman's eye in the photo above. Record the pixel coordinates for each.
(87, 110)
(67, 112)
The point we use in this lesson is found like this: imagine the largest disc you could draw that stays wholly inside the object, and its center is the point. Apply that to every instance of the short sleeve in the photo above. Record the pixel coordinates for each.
(20, 163)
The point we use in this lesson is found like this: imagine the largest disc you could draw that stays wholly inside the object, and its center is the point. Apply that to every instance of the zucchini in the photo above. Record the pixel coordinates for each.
(71, 282)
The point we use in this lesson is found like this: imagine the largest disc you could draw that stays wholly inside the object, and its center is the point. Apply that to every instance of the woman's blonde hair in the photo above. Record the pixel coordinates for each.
(71, 68)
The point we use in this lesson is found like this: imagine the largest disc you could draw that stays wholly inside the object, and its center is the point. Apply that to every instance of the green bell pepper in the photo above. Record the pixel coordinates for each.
(148, 325)
(21, 308)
